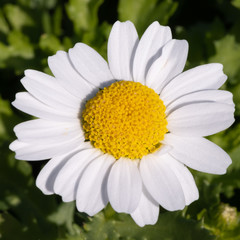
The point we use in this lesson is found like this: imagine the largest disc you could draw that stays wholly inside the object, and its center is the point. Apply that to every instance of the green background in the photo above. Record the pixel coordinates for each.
(30, 31)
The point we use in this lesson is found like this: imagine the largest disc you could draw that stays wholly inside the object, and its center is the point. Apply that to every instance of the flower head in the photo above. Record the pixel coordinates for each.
(123, 131)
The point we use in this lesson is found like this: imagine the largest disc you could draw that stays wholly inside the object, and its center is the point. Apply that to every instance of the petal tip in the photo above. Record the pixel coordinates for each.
(11, 146)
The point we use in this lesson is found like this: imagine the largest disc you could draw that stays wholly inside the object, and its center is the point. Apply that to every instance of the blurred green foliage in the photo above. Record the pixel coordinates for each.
(30, 31)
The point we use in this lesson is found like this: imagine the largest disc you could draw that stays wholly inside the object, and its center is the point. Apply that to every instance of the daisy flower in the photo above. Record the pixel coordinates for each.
(124, 131)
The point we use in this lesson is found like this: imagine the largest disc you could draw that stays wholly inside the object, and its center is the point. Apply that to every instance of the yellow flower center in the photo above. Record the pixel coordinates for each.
(126, 119)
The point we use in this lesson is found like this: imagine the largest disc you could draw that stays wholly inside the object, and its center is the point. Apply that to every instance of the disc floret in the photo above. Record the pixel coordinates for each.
(126, 119)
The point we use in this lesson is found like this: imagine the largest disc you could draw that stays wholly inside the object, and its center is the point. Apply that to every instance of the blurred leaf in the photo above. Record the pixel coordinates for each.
(121, 226)
(18, 193)
(50, 44)
(46, 22)
(64, 216)
(18, 50)
(45, 3)
(26, 209)
(228, 53)
(236, 3)
(57, 21)
(143, 12)
(7, 121)
(231, 180)
(83, 14)
(209, 192)
(38, 3)
(229, 139)
(223, 221)
(10, 227)
(17, 17)
(20, 45)
(201, 37)
(3, 23)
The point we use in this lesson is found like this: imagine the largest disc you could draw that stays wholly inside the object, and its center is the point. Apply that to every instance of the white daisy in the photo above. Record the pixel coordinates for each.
(123, 131)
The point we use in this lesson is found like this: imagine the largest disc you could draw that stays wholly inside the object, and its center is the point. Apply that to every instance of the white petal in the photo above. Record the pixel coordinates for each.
(66, 183)
(40, 131)
(161, 182)
(46, 178)
(67, 76)
(28, 104)
(16, 145)
(201, 119)
(90, 65)
(124, 186)
(122, 44)
(209, 76)
(47, 89)
(92, 189)
(199, 154)
(185, 178)
(201, 96)
(168, 65)
(34, 152)
(147, 210)
(149, 49)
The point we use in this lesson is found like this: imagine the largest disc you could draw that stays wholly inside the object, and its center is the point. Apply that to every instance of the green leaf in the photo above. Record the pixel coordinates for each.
(7, 121)
(64, 216)
(236, 3)
(223, 221)
(83, 14)
(143, 12)
(57, 20)
(10, 228)
(20, 45)
(33, 4)
(201, 37)
(18, 51)
(19, 195)
(17, 17)
(231, 180)
(28, 211)
(229, 140)
(228, 53)
(121, 226)
(50, 44)
(3, 23)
